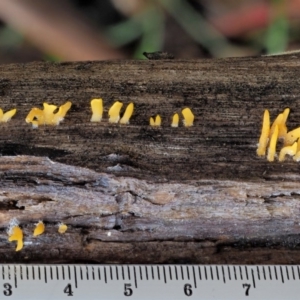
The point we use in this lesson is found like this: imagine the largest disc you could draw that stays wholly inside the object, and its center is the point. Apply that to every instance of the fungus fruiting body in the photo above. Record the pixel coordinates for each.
(114, 112)
(272, 146)
(128, 113)
(97, 110)
(39, 228)
(188, 117)
(288, 150)
(62, 228)
(156, 122)
(175, 120)
(264, 137)
(292, 136)
(16, 234)
(5, 117)
(47, 116)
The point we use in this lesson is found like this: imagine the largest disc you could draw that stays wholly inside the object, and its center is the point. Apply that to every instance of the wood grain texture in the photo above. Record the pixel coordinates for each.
(136, 194)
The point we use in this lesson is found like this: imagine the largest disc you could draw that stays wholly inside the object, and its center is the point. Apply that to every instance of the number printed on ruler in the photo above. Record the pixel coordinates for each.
(149, 282)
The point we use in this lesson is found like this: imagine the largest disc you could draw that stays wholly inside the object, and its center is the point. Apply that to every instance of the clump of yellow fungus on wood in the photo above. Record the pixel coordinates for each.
(278, 130)
(128, 113)
(47, 116)
(39, 228)
(175, 120)
(114, 112)
(97, 110)
(15, 233)
(188, 117)
(62, 228)
(5, 117)
(156, 122)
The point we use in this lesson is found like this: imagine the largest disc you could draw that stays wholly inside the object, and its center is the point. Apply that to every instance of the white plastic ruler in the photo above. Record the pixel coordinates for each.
(149, 282)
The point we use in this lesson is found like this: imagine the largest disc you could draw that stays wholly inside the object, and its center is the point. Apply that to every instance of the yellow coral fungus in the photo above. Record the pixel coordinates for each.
(97, 110)
(47, 116)
(264, 137)
(157, 121)
(16, 234)
(62, 111)
(175, 120)
(39, 228)
(277, 122)
(296, 157)
(5, 117)
(288, 150)
(188, 117)
(282, 129)
(62, 228)
(114, 112)
(292, 136)
(128, 113)
(272, 146)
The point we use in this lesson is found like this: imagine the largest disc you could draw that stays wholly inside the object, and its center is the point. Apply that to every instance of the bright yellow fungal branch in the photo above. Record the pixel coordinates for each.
(5, 117)
(62, 111)
(47, 116)
(16, 234)
(188, 117)
(39, 228)
(264, 137)
(297, 155)
(278, 121)
(175, 120)
(97, 110)
(62, 228)
(282, 129)
(272, 146)
(292, 136)
(128, 113)
(114, 112)
(157, 121)
(288, 150)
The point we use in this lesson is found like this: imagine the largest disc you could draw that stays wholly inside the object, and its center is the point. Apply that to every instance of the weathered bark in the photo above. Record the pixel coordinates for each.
(151, 195)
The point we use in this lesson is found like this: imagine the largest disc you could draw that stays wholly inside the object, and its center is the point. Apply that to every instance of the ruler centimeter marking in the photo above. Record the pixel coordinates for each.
(19, 281)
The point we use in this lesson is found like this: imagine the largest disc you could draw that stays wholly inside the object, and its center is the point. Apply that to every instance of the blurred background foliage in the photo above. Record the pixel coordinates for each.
(108, 29)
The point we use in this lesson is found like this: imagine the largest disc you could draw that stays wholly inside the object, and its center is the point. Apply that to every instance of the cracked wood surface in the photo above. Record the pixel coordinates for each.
(125, 220)
(135, 194)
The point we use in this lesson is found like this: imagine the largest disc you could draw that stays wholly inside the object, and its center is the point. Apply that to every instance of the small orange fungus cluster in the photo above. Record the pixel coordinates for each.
(188, 119)
(39, 228)
(113, 113)
(48, 115)
(5, 117)
(270, 134)
(15, 233)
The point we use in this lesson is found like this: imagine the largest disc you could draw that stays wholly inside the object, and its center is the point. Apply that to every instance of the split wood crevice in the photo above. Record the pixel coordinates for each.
(136, 194)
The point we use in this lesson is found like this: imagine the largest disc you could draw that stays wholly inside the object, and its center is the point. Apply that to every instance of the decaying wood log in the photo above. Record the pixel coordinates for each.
(136, 194)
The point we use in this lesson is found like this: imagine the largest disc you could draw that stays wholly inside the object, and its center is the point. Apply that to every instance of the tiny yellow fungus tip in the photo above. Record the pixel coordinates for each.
(47, 116)
(188, 117)
(175, 120)
(157, 121)
(272, 146)
(291, 136)
(39, 228)
(128, 113)
(264, 137)
(16, 234)
(288, 150)
(114, 112)
(5, 117)
(62, 228)
(97, 110)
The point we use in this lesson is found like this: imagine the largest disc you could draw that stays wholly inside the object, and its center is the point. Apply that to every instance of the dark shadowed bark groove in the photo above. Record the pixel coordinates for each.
(135, 194)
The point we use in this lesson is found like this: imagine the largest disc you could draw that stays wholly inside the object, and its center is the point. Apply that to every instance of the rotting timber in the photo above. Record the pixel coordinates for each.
(136, 194)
